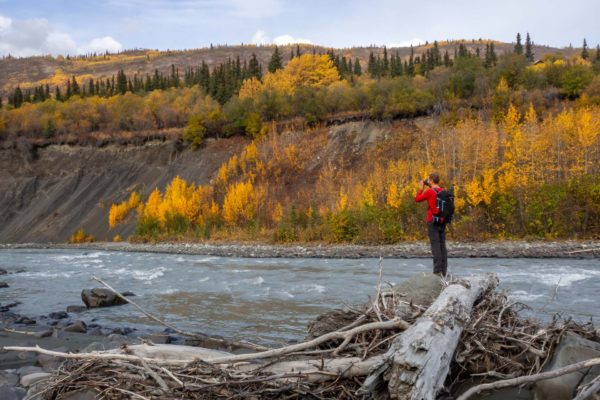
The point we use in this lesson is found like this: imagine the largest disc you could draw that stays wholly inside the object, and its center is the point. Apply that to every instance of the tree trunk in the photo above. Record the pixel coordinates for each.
(417, 363)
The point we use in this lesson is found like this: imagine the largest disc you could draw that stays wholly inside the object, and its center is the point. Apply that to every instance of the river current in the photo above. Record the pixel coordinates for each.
(268, 300)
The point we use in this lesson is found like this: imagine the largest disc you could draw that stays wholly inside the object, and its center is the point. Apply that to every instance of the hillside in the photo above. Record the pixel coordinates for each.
(34, 71)
(315, 149)
(63, 188)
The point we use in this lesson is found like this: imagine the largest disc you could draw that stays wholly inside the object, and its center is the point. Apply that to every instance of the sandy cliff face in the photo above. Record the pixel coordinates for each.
(47, 194)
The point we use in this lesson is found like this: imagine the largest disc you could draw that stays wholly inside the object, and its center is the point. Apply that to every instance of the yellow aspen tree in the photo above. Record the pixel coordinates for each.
(587, 133)
(153, 205)
(342, 203)
(393, 198)
(277, 214)
(240, 203)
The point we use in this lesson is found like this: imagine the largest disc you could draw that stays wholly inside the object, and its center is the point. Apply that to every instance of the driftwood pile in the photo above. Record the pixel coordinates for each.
(389, 349)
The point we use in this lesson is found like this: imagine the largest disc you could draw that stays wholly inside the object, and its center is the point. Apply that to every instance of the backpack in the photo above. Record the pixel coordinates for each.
(444, 210)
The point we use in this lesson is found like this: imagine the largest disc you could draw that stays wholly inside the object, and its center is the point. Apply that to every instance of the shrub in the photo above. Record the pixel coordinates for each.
(79, 236)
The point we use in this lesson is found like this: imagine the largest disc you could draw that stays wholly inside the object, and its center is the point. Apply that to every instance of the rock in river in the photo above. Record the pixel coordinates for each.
(100, 297)
(58, 315)
(77, 326)
(572, 349)
(3, 285)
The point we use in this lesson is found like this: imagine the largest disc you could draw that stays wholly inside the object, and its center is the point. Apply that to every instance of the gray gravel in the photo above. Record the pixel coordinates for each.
(492, 249)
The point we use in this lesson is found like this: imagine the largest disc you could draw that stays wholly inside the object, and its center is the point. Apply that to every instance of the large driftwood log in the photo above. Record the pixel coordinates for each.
(418, 360)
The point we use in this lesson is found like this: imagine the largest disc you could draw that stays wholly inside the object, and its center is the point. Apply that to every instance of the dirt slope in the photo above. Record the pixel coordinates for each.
(64, 188)
(47, 195)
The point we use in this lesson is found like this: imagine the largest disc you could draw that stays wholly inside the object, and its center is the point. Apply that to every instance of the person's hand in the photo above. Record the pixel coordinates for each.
(420, 185)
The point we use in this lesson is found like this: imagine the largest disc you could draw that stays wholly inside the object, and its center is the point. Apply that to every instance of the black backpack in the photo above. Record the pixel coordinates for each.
(445, 207)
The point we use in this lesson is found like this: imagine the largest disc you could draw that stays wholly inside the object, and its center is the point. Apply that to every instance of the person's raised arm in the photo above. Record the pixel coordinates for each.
(421, 192)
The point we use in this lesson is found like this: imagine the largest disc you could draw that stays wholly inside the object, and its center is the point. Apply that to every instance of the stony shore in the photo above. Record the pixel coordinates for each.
(491, 249)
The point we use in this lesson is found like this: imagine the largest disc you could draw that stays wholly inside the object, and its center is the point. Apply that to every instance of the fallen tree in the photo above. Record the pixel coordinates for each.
(418, 361)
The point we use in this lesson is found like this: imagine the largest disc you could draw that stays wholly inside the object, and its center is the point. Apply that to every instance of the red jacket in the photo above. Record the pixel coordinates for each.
(431, 196)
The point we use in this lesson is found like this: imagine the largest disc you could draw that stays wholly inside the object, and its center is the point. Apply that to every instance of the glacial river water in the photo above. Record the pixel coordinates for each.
(265, 300)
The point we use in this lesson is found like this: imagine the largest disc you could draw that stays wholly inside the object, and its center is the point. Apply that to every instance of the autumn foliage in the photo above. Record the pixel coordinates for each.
(528, 175)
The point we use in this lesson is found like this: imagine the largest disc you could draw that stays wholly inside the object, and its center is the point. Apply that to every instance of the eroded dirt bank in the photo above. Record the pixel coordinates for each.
(48, 193)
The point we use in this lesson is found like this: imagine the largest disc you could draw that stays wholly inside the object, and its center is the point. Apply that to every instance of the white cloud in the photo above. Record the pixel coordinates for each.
(29, 37)
(407, 43)
(287, 39)
(261, 37)
(59, 43)
(100, 45)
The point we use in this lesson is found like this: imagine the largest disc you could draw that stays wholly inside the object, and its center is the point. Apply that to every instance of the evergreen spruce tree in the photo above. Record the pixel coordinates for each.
(518, 45)
(91, 87)
(47, 95)
(276, 61)
(357, 67)
(298, 53)
(447, 61)
(17, 98)
(254, 69)
(75, 87)
(584, 51)
(385, 65)
(435, 52)
(528, 49)
(57, 95)
(68, 93)
(344, 68)
(121, 82)
(410, 70)
(598, 52)
(372, 65)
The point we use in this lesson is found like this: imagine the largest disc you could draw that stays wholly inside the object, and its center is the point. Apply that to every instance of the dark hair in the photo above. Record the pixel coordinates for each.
(435, 178)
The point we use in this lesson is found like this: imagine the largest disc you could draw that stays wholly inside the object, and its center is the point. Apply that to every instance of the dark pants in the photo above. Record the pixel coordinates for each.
(437, 237)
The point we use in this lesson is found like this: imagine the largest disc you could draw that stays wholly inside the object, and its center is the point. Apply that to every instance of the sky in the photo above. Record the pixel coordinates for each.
(56, 27)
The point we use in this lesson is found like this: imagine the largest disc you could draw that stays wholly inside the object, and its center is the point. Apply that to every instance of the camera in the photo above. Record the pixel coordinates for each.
(426, 182)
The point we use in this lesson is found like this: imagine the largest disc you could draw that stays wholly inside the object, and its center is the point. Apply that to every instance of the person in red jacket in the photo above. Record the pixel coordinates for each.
(436, 232)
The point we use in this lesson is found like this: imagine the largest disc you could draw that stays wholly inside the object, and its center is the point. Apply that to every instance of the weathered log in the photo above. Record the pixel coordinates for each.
(319, 370)
(418, 360)
(171, 352)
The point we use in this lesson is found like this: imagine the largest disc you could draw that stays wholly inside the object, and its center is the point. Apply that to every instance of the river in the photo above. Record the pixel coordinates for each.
(268, 300)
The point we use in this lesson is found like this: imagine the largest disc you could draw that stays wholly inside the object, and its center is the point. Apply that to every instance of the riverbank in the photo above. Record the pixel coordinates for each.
(488, 249)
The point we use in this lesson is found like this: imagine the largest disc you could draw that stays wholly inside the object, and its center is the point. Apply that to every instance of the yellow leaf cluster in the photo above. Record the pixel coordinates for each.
(393, 196)
(240, 203)
(307, 70)
(480, 190)
(79, 236)
(342, 203)
(118, 212)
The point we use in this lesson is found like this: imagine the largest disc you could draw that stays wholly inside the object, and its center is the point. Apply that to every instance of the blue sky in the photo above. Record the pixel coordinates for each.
(77, 26)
